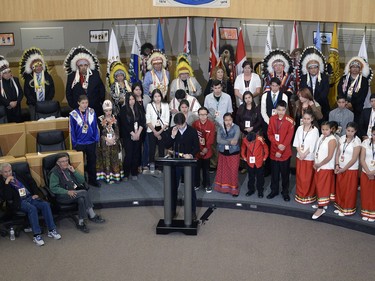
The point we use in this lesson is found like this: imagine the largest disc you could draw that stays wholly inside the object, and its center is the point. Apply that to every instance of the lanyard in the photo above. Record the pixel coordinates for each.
(320, 143)
(66, 178)
(305, 136)
(278, 127)
(373, 150)
(84, 118)
(346, 146)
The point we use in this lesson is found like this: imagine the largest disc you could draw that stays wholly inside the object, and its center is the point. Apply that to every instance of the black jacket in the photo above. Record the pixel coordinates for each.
(188, 143)
(30, 91)
(364, 121)
(95, 92)
(12, 196)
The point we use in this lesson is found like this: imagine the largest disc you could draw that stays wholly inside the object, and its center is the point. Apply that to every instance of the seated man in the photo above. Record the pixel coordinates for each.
(21, 194)
(65, 182)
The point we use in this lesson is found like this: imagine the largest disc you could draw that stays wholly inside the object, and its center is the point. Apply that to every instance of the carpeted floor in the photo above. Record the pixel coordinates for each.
(232, 245)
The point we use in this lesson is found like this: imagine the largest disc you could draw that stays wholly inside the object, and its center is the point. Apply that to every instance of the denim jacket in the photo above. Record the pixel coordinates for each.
(224, 138)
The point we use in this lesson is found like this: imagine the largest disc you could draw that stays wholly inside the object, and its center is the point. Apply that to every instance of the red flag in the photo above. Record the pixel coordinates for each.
(214, 47)
(240, 53)
(294, 43)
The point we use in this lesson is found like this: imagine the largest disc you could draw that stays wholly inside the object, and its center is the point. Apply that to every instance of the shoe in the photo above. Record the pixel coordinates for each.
(317, 206)
(194, 217)
(260, 194)
(196, 188)
(341, 214)
(83, 228)
(208, 189)
(97, 219)
(134, 178)
(365, 218)
(371, 220)
(95, 183)
(249, 193)
(54, 234)
(316, 216)
(336, 211)
(272, 195)
(235, 195)
(38, 240)
(286, 197)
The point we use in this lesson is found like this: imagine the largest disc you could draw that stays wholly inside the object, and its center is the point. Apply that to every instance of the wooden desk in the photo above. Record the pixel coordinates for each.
(35, 163)
(13, 139)
(11, 159)
(33, 127)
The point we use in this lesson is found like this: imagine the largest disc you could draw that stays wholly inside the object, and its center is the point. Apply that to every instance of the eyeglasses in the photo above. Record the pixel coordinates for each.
(202, 114)
(63, 161)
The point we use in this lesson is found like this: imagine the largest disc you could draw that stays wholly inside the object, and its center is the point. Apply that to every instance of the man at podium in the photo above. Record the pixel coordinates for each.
(183, 141)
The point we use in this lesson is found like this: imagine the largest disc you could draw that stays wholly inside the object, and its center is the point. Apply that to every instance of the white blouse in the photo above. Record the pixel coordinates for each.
(307, 141)
(346, 156)
(321, 152)
(152, 116)
(370, 157)
(239, 85)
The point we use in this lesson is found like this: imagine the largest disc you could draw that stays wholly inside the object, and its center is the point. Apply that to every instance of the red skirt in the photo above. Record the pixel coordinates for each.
(323, 181)
(305, 189)
(346, 192)
(226, 180)
(367, 197)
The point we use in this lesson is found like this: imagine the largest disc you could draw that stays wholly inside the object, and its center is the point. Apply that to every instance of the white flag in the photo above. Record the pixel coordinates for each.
(363, 54)
(294, 43)
(113, 52)
(268, 47)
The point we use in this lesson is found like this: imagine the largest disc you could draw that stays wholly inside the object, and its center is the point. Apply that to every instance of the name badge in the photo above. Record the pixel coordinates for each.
(217, 113)
(157, 123)
(109, 136)
(252, 159)
(202, 141)
(85, 129)
(342, 158)
(226, 147)
(316, 155)
(247, 124)
(273, 112)
(74, 186)
(302, 147)
(372, 163)
(22, 192)
(277, 137)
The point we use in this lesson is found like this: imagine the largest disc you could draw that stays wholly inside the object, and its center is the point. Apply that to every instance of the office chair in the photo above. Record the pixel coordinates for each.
(3, 115)
(50, 141)
(44, 109)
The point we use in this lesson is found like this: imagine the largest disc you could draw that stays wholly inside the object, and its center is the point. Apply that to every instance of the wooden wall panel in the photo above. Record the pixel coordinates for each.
(346, 11)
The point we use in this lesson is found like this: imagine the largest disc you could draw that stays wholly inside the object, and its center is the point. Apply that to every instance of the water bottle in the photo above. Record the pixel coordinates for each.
(152, 168)
(12, 236)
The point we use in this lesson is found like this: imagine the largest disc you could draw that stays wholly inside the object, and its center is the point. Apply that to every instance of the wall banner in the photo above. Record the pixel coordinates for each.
(193, 3)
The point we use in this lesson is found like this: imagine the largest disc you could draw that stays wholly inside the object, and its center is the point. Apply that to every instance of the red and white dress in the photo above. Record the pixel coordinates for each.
(367, 185)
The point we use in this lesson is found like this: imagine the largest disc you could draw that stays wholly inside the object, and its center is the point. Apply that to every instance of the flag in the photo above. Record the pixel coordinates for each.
(214, 47)
(187, 39)
(334, 61)
(159, 38)
(294, 43)
(317, 39)
(134, 66)
(113, 52)
(268, 47)
(363, 54)
(240, 53)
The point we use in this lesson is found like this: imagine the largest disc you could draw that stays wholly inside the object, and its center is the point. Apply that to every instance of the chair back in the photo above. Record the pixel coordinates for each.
(44, 109)
(48, 163)
(50, 141)
(3, 115)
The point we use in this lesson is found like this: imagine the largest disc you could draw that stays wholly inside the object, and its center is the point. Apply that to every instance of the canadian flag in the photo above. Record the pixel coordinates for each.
(240, 53)
(294, 43)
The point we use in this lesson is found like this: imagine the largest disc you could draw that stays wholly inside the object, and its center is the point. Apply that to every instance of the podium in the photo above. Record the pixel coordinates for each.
(168, 225)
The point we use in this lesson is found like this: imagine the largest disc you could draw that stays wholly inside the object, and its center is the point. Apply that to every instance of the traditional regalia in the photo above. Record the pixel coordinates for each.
(89, 83)
(156, 78)
(190, 85)
(118, 89)
(39, 85)
(318, 83)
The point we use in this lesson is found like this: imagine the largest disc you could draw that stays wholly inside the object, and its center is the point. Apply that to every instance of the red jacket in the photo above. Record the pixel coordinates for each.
(285, 129)
(206, 135)
(257, 148)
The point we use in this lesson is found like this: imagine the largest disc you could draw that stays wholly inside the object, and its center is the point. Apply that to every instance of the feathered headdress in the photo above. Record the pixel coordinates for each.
(363, 64)
(156, 56)
(274, 57)
(4, 64)
(116, 68)
(30, 58)
(80, 53)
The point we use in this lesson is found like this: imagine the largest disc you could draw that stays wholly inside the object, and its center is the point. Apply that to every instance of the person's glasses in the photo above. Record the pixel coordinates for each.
(202, 114)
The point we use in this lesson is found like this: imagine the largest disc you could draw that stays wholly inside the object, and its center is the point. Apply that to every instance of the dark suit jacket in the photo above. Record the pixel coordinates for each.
(188, 143)
(95, 92)
(320, 94)
(30, 91)
(364, 121)
(12, 196)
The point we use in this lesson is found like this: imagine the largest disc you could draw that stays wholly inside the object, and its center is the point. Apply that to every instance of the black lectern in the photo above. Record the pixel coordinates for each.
(168, 225)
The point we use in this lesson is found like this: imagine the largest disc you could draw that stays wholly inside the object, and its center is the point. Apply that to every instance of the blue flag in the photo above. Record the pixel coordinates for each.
(317, 39)
(134, 67)
(159, 39)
